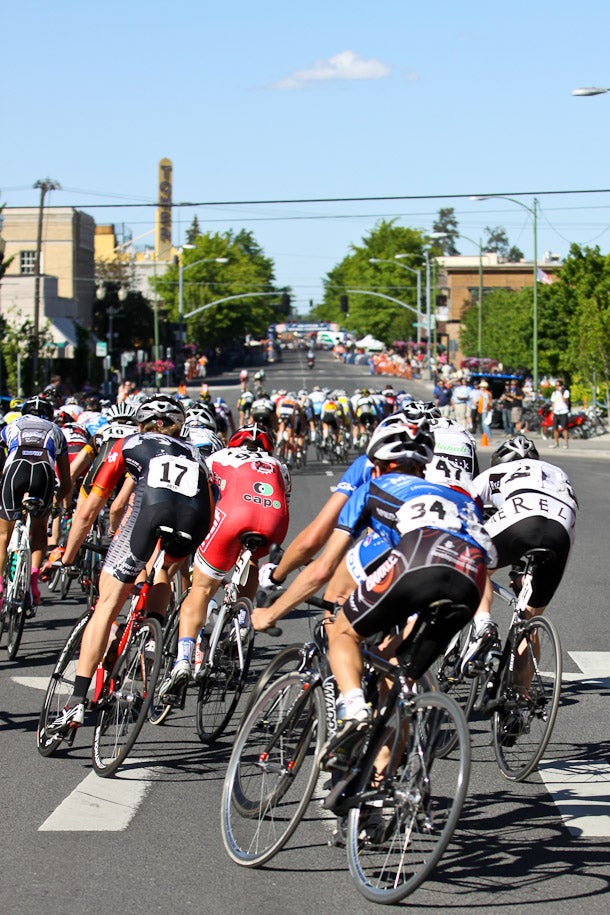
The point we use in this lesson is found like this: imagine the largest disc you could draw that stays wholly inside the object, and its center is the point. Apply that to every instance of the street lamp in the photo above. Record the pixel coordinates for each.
(479, 244)
(589, 90)
(181, 269)
(434, 236)
(384, 260)
(46, 185)
(534, 211)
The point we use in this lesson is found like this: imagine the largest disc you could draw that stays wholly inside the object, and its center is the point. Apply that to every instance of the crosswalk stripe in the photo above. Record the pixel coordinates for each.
(102, 804)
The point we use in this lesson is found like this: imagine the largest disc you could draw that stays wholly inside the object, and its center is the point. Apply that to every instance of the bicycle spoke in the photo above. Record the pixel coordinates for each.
(411, 799)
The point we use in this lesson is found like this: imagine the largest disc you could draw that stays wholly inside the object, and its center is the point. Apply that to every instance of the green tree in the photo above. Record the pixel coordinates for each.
(446, 222)
(368, 313)
(247, 271)
(193, 232)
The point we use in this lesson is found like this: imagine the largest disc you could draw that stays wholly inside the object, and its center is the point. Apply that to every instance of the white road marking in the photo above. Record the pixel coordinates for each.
(102, 804)
(581, 790)
(40, 683)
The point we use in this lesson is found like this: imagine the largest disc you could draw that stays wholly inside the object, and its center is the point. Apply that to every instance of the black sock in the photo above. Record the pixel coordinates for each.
(79, 693)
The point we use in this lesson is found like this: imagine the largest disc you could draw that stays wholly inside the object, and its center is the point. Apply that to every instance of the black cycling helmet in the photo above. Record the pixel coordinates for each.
(402, 442)
(162, 407)
(38, 406)
(515, 449)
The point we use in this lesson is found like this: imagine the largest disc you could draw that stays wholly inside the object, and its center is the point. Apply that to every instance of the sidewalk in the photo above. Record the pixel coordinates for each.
(597, 447)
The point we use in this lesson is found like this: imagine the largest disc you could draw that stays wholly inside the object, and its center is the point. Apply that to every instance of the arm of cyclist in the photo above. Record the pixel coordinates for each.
(310, 580)
(63, 474)
(311, 539)
(119, 504)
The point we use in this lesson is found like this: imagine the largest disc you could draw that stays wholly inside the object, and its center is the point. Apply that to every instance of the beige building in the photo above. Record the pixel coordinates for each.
(67, 285)
(458, 284)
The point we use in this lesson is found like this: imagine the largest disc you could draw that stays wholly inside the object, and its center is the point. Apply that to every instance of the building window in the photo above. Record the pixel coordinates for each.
(27, 262)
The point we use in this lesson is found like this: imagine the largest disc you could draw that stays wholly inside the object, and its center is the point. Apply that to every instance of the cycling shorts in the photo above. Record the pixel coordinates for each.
(248, 505)
(21, 476)
(530, 533)
(366, 555)
(331, 419)
(427, 565)
(135, 540)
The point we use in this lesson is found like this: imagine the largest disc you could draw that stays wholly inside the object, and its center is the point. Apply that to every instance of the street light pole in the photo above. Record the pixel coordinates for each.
(384, 260)
(479, 244)
(534, 211)
(181, 269)
(45, 185)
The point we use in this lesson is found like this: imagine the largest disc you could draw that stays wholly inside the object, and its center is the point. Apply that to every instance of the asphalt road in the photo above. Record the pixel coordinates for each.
(157, 846)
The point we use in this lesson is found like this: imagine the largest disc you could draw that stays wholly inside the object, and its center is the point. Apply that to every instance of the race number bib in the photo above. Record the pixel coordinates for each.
(428, 511)
(178, 474)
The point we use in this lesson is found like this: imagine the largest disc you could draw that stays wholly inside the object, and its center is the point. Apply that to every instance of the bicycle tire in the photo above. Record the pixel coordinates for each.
(289, 659)
(523, 723)
(273, 770)
(450, 680)
(18, 604)
(159, 710)
(123, 711)
(398, 833)
(54, 579)
(222, 684)
(60, 688)
(65, 582)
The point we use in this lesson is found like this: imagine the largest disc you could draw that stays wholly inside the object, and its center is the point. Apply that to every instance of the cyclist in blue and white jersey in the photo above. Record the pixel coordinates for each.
(32, 450)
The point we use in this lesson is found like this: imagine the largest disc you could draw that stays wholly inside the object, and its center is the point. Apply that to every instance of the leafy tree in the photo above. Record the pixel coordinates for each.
(446, 222)
(368, 313)
(496, 240)
(247, 271)
(514, 254)
(193, 232)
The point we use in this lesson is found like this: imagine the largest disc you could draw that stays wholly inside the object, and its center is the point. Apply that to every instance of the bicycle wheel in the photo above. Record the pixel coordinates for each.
(273, 770)
(159, 710)
(524, 720)
(288, 660)
(60, 688)
(127, 696)
(18, 604)
(222, 683)
(406, 818)
(450, 680)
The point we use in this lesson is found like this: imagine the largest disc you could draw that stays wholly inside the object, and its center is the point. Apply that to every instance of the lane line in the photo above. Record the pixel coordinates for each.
(40, 683)
(102, 804)
(581, 790)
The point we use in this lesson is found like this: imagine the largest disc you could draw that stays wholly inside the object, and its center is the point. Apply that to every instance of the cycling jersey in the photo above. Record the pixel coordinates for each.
(455, 454)
(252, 490)
(172, 489)
(357, 473)
(32, 447)
(396, 503)
(92, 421)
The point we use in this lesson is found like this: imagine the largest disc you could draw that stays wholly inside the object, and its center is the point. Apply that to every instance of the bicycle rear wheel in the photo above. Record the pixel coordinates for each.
(273, 770)
(523, 723)
(60, 688)
(124, 705)
(287, 660)
(450, 680)
(19, 601)
(222, 683)
(159, 710)
(406, 818)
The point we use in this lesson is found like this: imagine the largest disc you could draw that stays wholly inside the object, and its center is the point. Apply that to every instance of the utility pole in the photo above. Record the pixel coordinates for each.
(44, 185)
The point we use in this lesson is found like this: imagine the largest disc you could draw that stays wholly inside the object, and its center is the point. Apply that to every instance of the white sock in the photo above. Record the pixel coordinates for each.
(186, 650)
(354, 702)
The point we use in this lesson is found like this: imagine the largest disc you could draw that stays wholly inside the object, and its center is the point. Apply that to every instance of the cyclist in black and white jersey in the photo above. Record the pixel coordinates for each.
(33, 449)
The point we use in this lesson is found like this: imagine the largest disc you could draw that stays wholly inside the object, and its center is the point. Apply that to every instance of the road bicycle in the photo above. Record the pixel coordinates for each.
(400, 816)
(17, 603)
(227, 643)
(522, 715)
(124, 683)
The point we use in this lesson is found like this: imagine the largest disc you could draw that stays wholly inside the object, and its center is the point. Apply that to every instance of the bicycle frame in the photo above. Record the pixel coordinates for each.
(238, 579)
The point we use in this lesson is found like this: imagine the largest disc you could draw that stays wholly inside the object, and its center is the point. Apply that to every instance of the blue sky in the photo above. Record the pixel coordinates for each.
(278, 100)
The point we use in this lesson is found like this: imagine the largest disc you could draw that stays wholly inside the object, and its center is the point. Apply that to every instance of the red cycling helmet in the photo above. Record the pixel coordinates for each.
(253, 437)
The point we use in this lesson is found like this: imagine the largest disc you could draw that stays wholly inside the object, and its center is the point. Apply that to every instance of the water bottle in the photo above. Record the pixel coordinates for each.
(202, 646)
(12, 565)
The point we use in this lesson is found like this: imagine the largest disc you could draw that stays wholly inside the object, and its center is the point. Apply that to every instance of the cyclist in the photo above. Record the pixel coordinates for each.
(32, 450)
(244, 406)
(263, 413)
(365, 411)
(332, 417)
(168, 484)
(532, 505)
(439, 550)
(252, 489)
(224, 417)
(290, 421)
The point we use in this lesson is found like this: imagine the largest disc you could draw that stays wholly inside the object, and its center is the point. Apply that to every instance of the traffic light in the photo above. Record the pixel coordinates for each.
(344, 303)
(285, 305)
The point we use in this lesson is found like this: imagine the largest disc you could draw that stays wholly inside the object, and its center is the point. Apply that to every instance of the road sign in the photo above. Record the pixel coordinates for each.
(101, 348)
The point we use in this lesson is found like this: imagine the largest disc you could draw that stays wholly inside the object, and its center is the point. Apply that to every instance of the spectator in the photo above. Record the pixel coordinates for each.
(560, 401)
(443, 395)
(485, 408)
(461, 401)
(475, 417)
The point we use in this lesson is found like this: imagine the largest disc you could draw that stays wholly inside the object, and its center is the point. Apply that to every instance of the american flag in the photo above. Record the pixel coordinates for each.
(545, 277)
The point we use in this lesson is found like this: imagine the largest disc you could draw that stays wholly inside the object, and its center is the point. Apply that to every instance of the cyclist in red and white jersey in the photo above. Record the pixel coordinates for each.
(252, 490)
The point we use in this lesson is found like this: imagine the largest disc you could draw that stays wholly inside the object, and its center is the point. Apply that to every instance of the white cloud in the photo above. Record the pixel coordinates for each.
(345, 65)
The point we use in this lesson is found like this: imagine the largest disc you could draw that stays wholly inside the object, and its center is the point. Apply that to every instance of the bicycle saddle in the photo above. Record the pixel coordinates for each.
(32, 503)
(252, 541)
(538, 555)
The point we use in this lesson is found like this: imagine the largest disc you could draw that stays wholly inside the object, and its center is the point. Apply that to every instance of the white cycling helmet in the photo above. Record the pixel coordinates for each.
(402, 442)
